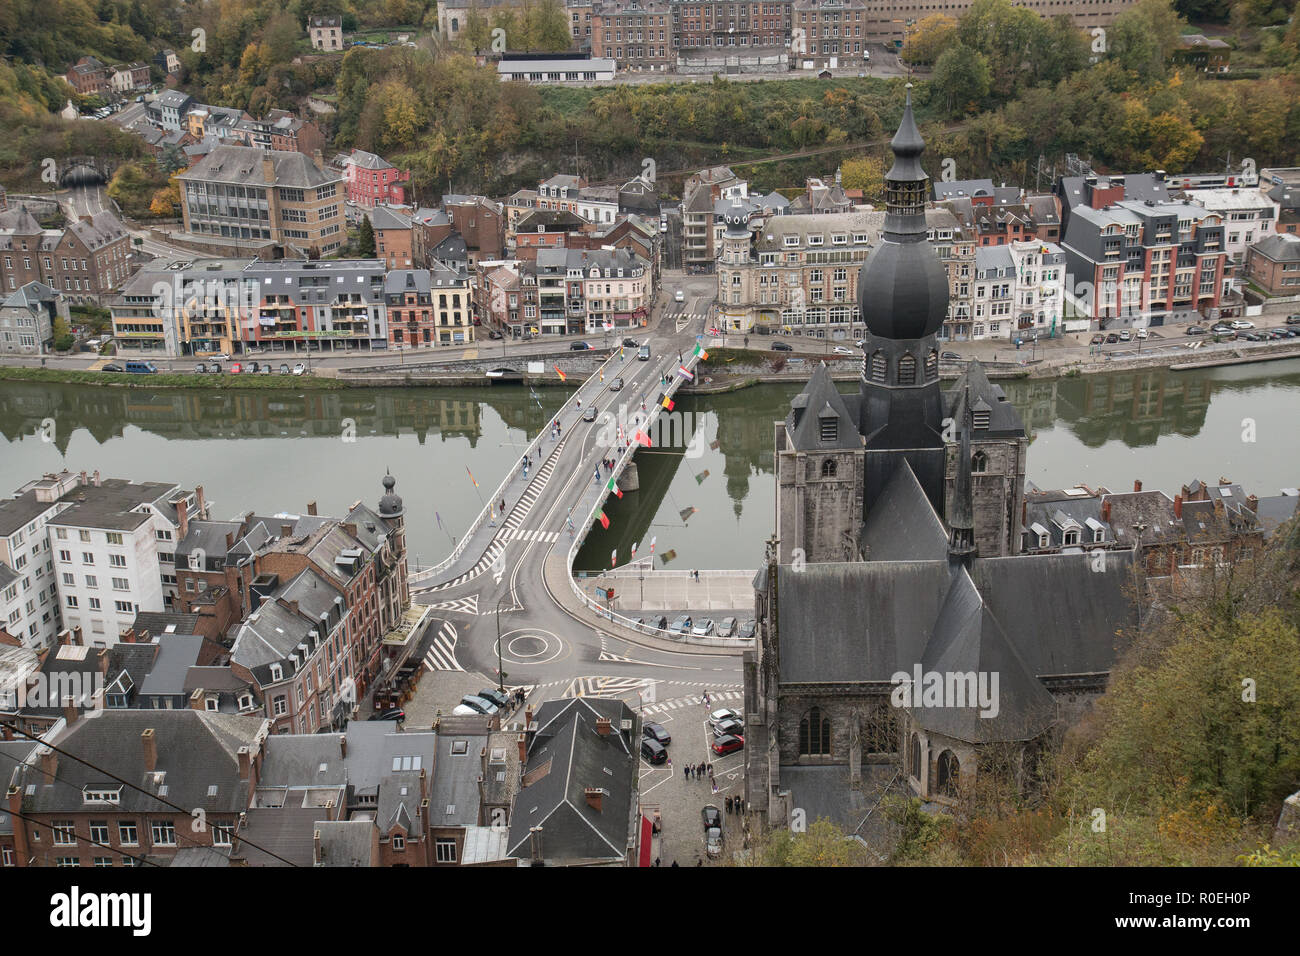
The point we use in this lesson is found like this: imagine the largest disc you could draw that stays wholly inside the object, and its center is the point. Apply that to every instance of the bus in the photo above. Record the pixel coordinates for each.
(141, 367)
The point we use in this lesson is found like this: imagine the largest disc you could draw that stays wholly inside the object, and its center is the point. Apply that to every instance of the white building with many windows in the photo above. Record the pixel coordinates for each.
(29, 596)
(1019, 291)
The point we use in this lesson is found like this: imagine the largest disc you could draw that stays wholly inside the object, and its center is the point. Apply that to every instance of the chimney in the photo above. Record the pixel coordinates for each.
(197, 699)
(70, 712)
(150, 750)
(349, 526)
(230, 540)
(1105, 511)
(343, 746)
(268, 170)
(318, 158)
(200, 501)
(522, 740)
(316, 850)
(1222, 481)
(76, 636)
(182, 518)
(127, 636)
(83, 479)
(1178, 507)
(535, 846)
(594, 795)
(96, 477)
(248, 522)
(286, 531)
(245, 763)
(602, 728)
(311, 508)
(1252, 502)
(1137, 485)
(49, 763)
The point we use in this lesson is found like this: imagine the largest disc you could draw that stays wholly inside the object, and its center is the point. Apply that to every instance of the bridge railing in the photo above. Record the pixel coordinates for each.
(485, 515)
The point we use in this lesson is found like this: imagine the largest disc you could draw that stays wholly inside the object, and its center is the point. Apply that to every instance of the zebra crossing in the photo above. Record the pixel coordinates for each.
(511, 534)
(604, 686)
(465, 605)
(679, 702)
(441, 655)
(684, 319)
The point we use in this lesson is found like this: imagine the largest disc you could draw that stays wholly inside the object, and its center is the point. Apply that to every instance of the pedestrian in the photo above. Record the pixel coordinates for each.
(670, 763)
(688, 771)
(728, 806)
(656, 861)
(701, 771)
(713, 783)
(710, 768)
(674, 864)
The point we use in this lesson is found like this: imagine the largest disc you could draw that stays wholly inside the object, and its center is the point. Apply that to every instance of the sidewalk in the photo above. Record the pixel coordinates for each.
(671, 590)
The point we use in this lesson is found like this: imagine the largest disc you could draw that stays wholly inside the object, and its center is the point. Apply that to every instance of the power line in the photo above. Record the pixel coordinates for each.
(127, 783)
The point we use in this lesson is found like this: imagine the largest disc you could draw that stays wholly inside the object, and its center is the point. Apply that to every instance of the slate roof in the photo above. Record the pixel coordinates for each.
(242, 165)
(110, 506)
(1004, 420)
(196, 752)
(821, 401)
(176, 655)
(287, 832)
(902, 525)
(1275, 511)
(346, 843)
(1279, 247)
(565, 757)
(454, 795)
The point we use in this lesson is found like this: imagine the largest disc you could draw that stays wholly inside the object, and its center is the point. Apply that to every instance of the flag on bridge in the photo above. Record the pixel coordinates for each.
(613, 486)
(699, 350)
(652, 543)
(699, 479)
(685, 373)
(604, 521)
(613, 558)
(666, 402)
(686, 513)
(634, 547)
(668, 555)
(642, 438)
(563, 377)
(471, 476)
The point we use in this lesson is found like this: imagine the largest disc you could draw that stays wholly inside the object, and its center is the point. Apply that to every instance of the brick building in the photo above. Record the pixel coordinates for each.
(372, 179)
(85, 260)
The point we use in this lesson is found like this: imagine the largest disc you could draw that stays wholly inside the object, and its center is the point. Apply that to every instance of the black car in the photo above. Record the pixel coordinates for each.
(1195, 330)
(1112, 338)
(656, 732)
(734, 728)
(652, 751)
(395, 713)
(616, 385)
(579, 347)
(660, 622)
(589, 413)
(112, 368)
(747, 629)
(782, 347)
(630, 343)
(950, 357)
(494, 334)
(494, 695)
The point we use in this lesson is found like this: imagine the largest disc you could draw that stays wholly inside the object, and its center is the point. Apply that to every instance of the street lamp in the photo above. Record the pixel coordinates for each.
(501, 676)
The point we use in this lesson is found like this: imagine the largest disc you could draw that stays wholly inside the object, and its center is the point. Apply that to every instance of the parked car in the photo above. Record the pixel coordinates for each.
(1142, 333)
(652, 751)
(1293, 319)
(479, 704)
(494, 334)
(235, 368)
(1098, 339)
(1278, 334)
(727, 627)
(253, 368)
(656, 732)
(841, 350)
(1243, 324)
(782, 347)
(200, 368)
(112, 368)
(460, 710)
(215, 368)
(266, 368)
(299, 369)
(284, 368)
(579, 347)
(950, 357)
(703, 628)
(679, 296)
(748, 629)
(1125, 335)
(727, 745)
(494, 695)
(681, 625)
(1112, 338)
(730, 726)
(393, 713)
(660, 622)
(1195, 330)
(723, 713)
(630, 343)
(616, 385)
(711, 817)
(589, 413)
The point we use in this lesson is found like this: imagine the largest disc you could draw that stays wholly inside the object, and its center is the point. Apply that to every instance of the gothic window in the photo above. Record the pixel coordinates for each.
(914, 758)
(814, 734)
(879, 366)
(949, 773)
(907, 369)
(932, 365)
(979, 463)
(829, 468)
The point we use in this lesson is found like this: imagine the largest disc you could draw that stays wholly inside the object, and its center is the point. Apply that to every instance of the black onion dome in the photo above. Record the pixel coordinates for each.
(390, 505)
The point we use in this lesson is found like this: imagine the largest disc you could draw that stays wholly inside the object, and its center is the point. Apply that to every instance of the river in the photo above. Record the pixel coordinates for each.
(273, 451)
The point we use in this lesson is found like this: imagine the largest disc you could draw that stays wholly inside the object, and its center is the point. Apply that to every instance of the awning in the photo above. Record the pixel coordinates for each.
(647, 842)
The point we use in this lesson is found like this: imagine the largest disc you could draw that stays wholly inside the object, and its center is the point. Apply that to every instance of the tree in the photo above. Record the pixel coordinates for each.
(1143, 38)
(63, 338)
(366, 239)
(932, 36)
(866, 173)
(962, 73)
(823, 844)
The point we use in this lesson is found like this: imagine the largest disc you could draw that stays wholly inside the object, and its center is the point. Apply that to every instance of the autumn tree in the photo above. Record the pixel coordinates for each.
(1143, 38)
(866, 173)
(962, 75)
(927, 42)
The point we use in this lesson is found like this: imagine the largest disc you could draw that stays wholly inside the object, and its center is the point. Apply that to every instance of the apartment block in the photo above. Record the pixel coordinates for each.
(27, 319)
(84, 260)
(1018, 292)
(372, 179)
(428, 307)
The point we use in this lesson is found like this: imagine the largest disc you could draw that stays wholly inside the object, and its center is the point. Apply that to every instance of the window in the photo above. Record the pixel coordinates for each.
(92, 581)
(222, 834)
(814, 734)
(914, 758)
(445, 850)
(66, 861)
(163, 833)
(399, 842)
(99, 831)
(279, 706)
(114, 537)
(829, 467)
(87, 558)
(979, 463)
(65, 833)
(117, 560)
(121, 584)
(907, 369)
(949, 773)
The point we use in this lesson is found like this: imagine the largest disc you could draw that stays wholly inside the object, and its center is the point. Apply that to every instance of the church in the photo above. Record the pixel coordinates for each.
(901, 630)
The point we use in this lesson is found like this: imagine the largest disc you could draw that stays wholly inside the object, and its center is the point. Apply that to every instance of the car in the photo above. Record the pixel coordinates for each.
(656, 732)
(1195, 330)
(266, 368)
(1278, 333)
(393, 713)
(712, 819)
(659, 622)
(630, 343)
(200, 368)
(841, 350)
(703, 628)
(861, 343)
(730, 726)
(727, 745)
(284, 368)
(723, 713)
(782, 347)
(747, 630)
(1256, 337)
(1242, 324)
(1142, 333)
(1112, 338)
(1098, 339)
(589, 413)
(479, 704)
(643, 354)
(112, 368)
(1222, 328)
(299, 369)
(950, 357)
(215, 368)
(235, 368)
(616, 385)
(681, 625)
(253, 368)
(494, 695)
(1125, 335)
(579, 347)
(652, 751)
(460, 710)
(727, 627)
(1293, 319)
(494, 334)
(221, 357)
(679, 296)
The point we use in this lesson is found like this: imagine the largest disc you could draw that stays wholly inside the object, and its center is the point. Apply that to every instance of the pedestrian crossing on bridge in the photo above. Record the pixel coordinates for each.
(441, 655)
(715, 697)
(686, 318)
(524, 534)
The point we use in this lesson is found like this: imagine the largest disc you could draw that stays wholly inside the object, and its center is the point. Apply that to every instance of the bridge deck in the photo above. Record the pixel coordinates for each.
(730, 591)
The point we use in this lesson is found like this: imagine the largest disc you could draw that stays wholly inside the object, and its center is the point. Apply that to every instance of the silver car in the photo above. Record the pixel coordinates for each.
(727, 627)
(704, 628)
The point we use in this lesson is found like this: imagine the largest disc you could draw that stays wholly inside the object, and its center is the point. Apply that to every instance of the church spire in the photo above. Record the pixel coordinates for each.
(961, 519)
(905, 183)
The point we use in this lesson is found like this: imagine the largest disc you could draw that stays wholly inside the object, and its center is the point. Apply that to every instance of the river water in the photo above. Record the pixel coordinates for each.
(273, 451)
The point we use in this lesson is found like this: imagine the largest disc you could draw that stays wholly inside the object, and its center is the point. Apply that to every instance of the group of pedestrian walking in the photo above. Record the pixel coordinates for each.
(555, 430)
(698, 771)
(735, 805)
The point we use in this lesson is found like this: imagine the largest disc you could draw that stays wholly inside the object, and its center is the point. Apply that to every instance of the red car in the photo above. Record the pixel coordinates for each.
(728, 745)
(236, 368)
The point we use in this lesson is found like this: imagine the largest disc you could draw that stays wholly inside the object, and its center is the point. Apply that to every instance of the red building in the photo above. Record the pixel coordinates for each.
(372, 179)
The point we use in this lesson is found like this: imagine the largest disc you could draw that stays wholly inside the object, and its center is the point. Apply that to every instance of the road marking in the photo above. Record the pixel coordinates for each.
(465, 605)
(604, 686)
(441, 655)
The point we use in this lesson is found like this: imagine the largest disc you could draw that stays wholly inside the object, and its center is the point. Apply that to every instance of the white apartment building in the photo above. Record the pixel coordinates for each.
(29, 596)
(113, 547)
(1248, 216)
(1019, 290)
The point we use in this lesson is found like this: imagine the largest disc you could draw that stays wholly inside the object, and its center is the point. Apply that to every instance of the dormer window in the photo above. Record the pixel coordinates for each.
(277, 672)
(1071, 536)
